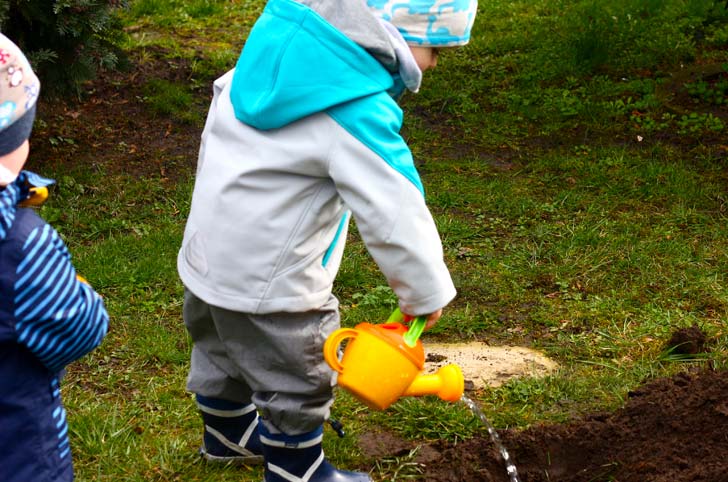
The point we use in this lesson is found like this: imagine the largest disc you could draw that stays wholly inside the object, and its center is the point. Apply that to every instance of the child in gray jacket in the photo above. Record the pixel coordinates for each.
(302, 135)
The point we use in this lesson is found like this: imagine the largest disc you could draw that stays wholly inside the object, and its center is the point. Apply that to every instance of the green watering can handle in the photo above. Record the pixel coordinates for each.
(417, 326)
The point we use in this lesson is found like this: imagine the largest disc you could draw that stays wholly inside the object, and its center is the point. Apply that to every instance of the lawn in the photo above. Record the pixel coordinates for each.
(573, 156)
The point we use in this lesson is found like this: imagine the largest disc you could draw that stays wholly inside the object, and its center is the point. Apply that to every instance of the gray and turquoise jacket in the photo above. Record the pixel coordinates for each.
(48, 318)
(301, 135)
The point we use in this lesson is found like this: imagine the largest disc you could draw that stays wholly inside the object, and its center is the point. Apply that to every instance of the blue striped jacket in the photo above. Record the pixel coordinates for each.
(48, 318)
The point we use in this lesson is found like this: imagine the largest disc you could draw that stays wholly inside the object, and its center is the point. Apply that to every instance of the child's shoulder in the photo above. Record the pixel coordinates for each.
(27, 232)
(13, 246)
(25, 223)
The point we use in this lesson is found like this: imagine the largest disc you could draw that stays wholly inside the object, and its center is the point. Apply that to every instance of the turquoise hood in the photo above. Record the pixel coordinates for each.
(295, 63)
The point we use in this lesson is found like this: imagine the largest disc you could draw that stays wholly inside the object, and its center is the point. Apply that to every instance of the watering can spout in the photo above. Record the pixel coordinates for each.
(448, 384)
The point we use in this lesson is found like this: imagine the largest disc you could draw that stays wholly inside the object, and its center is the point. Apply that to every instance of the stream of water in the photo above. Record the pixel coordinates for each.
(510, 466)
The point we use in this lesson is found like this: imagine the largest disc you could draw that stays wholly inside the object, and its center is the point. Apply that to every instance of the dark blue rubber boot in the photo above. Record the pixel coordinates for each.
(300, 458)
(231, 432)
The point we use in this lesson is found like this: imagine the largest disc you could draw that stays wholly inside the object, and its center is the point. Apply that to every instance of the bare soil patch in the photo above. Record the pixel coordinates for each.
(484, 365)
(112, 130)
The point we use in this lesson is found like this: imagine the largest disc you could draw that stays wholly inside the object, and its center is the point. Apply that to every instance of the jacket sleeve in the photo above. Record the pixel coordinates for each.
(375, 175)
(58, 317)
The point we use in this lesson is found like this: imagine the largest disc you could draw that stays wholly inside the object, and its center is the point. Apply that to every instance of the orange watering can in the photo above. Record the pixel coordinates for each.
(382, 363)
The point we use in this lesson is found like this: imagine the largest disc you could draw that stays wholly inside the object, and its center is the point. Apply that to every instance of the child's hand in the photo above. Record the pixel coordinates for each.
(431, 319)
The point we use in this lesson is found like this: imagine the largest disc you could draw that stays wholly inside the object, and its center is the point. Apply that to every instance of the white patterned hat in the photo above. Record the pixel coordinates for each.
(19, 88)
(429, 23)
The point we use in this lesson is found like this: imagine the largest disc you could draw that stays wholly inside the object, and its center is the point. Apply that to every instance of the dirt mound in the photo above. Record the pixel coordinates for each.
(672, 429)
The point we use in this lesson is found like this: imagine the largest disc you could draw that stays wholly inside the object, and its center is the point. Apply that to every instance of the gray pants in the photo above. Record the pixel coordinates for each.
(274, 360)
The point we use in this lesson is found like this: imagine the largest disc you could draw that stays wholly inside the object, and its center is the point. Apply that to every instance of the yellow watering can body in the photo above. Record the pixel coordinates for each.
(378, 367)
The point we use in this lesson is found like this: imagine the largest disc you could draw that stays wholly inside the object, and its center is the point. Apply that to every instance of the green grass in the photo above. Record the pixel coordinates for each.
(171, 99)
(562, 232)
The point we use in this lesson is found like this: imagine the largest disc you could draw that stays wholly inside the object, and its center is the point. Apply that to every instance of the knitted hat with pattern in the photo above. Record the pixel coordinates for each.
(19, 88)
(429, 23)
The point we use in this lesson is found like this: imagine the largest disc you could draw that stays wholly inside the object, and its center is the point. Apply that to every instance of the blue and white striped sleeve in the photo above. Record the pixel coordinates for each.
(58, 317)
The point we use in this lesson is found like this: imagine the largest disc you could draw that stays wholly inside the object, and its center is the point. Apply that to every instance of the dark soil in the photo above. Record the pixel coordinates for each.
(111, 130)
(669, 430)
(687, 341)
(672, 429)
